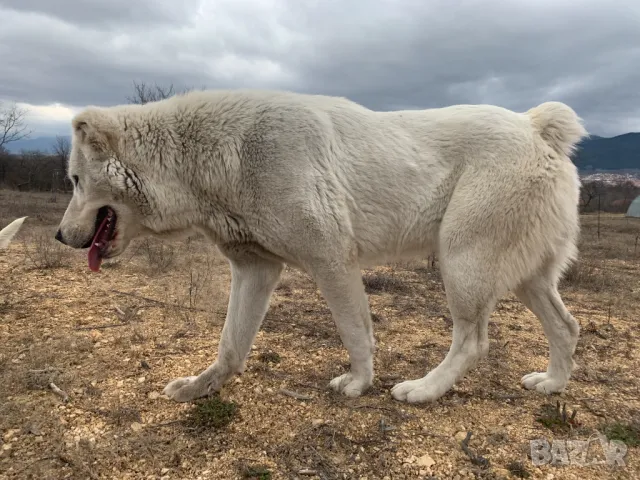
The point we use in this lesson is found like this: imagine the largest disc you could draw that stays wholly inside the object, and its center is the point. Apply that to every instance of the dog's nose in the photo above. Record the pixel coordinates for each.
(59, 236)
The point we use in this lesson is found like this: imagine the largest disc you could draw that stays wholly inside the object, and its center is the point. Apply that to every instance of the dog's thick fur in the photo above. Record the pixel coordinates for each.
(328, 186)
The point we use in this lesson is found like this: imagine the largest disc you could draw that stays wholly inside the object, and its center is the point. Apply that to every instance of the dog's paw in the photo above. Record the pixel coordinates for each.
(185, 389)
(543, 382)
(417, 391)
(350, 386)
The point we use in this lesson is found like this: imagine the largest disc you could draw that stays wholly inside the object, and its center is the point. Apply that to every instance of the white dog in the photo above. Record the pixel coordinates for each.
(328, 186)
(10, 231)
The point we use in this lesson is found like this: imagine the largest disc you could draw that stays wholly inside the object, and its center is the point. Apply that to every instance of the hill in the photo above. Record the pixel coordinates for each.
(614, 153)
(43, 144)
(595, 153)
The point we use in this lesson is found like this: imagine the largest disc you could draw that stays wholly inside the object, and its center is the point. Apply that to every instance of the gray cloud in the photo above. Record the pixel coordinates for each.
(384, 54)
(105, 13)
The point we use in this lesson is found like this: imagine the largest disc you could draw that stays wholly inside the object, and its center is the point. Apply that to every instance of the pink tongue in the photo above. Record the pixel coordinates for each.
(95, 259)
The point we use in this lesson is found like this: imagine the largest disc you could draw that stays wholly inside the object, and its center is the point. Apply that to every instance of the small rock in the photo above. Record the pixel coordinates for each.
(460, 436)
(425, 461)
(164, 471)
(422, 473)
(153, 395)
(136, 427)
(317, 422)
(120, 384)
(10, 434)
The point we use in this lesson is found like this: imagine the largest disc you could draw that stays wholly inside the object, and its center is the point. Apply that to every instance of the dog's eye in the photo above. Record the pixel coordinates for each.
(75, 180)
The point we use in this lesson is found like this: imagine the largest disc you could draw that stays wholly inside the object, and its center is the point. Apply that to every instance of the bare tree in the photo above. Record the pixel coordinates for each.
(143, 93)
(61, 148)
(30, 162)
(629, 191)
(588, 192)
(12, 124)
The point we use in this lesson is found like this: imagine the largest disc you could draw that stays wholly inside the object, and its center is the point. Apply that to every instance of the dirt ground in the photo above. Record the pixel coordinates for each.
(110, 341)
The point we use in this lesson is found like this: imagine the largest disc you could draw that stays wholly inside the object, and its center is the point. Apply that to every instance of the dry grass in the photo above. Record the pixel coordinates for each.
(160, 256)
(112, 340)
(44, 252)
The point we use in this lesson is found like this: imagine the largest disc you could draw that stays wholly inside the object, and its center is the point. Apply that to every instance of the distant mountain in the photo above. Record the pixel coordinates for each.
(614, 153)
(43, 144)
(594, 153)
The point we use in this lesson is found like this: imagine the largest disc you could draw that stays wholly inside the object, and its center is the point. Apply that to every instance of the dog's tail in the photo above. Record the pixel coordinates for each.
(558, 125)
(8, 232)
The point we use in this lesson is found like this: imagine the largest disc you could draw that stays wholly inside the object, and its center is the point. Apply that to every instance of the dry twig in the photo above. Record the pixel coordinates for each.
(61, 393)
(158, 302)
(299, 396)
(102, 327)
(307, 471)
(475, 459)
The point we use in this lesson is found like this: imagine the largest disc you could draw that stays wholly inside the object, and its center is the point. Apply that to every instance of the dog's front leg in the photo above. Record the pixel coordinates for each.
(253, 280)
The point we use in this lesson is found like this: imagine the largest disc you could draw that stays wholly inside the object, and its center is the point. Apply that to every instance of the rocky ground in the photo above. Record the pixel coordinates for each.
(84, 358)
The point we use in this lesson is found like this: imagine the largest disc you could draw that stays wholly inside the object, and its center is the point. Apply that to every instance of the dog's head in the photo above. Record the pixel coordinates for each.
(109, 202)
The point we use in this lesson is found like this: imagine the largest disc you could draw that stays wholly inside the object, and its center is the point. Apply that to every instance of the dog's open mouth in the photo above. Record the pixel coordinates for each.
(105, 235)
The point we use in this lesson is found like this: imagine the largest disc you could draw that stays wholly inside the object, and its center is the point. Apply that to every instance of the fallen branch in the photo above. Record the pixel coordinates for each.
(385, 409)
(45, 370)
(165, 424)
(60, 393)
(506, 396)
(307, 471)
(102, 327)
(475, 459)
(158, 302)
(301, 384)
(296, 395)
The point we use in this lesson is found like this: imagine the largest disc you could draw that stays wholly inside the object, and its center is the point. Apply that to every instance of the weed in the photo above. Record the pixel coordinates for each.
(269, 357)
(44, 252)
(212, 412)
(38, 379)
(589, 276)
(5, 306)
(383, 282)
(160, 256)
(256, 472)
(555, 418)
(518, 470)
(124, 415)
(629, 433)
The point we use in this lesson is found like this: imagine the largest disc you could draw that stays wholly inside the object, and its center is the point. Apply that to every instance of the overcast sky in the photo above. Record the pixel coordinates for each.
(59, 55)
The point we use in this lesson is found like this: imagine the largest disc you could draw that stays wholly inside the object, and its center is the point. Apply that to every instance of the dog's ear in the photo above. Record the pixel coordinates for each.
(97, 129)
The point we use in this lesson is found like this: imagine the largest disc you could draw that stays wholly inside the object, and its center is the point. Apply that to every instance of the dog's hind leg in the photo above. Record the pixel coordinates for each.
(540, 295)
(253, 280)
(471, 297)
